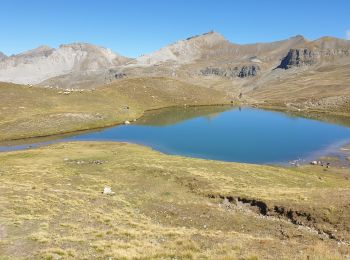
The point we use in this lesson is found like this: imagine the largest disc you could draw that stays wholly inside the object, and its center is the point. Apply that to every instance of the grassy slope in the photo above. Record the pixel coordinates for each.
(310, 85)
(164, 206)
(28, 112)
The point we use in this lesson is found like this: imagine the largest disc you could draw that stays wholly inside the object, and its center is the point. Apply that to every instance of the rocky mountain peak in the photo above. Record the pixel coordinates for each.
(80, 46)
(298, 37)
(44, 62)
(42, 50)
(184, 51)
(208, 36)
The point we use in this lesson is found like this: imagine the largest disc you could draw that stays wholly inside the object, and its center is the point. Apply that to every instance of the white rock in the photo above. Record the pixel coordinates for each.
(314, 163)
(108, 191)
(126, 122)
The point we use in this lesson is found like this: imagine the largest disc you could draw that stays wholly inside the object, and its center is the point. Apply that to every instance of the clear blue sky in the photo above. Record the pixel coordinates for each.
(134, 27)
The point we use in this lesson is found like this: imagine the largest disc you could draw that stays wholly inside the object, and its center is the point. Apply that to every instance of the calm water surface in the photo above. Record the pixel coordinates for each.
(221, 133)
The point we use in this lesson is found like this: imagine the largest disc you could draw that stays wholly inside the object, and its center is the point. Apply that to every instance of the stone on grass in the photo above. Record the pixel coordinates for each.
(108, 191)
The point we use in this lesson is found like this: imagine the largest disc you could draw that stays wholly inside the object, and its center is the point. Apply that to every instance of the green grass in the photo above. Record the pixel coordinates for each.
(164, 206)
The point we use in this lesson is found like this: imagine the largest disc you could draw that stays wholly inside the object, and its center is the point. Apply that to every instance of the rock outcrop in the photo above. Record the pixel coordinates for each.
(232, 72)
(307, 56)
(298, 57)
(249, 71)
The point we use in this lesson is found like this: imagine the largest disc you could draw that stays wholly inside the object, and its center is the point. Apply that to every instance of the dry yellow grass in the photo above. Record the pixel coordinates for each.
(324, 89)
(28, 112)
(165, 207)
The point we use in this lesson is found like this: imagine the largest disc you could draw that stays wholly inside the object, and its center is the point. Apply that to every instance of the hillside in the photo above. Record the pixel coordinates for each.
(314, 77)
(32, 111)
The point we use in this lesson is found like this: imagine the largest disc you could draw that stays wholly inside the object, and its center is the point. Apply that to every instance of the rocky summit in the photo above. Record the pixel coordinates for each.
(44, 62)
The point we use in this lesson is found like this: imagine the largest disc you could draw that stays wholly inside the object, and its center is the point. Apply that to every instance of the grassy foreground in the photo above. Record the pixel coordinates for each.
(166, 207)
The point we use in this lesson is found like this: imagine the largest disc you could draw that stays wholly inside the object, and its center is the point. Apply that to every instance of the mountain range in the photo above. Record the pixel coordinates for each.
(207, 60)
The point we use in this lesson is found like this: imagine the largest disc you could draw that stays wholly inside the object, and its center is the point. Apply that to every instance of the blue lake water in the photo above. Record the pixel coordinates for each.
(221, 133)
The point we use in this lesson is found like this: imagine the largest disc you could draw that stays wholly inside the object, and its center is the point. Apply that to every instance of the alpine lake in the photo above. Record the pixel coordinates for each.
(226, 133)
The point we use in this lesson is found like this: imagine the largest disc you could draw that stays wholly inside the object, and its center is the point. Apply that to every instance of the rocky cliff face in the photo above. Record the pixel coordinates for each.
(37, 65)
(298, 57)
(232, 72)
(307, 56)
(249, 71)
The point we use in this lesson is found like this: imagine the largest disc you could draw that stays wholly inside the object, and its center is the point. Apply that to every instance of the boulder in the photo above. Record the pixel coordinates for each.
(108, 191)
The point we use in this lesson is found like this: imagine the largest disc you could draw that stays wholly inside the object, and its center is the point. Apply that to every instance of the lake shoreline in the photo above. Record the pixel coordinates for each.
(178, 114)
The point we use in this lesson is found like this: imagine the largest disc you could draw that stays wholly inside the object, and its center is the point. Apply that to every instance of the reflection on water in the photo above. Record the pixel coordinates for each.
(223, 133)
(174, 115)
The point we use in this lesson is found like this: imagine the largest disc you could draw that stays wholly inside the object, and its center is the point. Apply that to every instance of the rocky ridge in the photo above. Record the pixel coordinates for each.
(35, 66)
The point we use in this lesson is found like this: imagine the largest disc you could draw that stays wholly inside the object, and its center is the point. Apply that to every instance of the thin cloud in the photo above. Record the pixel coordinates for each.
(348, 34)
